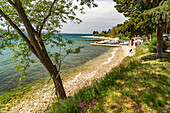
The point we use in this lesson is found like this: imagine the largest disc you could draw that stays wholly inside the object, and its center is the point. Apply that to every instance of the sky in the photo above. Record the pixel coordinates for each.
(104, 17)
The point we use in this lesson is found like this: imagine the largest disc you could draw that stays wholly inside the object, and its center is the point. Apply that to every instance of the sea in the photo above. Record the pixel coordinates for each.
(9, 78)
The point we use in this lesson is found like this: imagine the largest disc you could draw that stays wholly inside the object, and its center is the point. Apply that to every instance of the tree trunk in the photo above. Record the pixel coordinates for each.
(54, 73)
(59, 89)
(159, 35)
(132, 42)
(150, 37)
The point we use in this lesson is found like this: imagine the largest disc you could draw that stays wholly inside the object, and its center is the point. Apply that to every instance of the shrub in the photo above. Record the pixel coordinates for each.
(153, 45)
(124, 38)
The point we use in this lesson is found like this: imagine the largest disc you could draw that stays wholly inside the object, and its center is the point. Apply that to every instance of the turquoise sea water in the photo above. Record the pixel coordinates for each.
(9, 78)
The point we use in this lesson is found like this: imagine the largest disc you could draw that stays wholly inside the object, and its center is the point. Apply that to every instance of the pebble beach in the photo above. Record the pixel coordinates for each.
(38, 100)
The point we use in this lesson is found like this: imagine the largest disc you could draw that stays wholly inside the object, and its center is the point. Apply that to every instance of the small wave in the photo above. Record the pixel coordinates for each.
(91, 74)
(110, 58)
(75, 78)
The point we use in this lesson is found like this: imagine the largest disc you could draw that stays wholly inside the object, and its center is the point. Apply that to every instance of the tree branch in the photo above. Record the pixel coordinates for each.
(45, 19)
(28, 26)
(38, 33)
(31, 31)
(40, 50)
(11, 2)
(18, 30)
(37, 27)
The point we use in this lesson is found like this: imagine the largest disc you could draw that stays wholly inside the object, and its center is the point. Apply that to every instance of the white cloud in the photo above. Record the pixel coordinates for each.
(103, 17)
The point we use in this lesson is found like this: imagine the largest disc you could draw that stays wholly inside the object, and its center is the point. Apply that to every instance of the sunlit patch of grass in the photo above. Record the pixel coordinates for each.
(147, 86)
(140, 84)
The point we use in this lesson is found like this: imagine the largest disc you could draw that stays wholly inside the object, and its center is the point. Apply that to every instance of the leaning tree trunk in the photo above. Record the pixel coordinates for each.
(36, 45)
(59, 89)
(54, 73)
(159, 35)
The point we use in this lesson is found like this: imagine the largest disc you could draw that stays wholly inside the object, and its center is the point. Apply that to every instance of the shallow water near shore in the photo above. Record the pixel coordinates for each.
(88, 66)
(9, 78)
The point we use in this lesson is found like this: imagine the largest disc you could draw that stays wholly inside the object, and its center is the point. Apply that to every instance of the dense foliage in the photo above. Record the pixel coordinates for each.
(145, 17)
(153, 45)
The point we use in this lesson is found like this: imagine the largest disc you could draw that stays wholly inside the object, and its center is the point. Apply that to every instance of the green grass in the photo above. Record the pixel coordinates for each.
(12, 97)
(7, 96)
(140, 84)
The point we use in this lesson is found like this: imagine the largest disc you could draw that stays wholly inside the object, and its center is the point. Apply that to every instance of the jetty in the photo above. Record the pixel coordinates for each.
(94, 39)
(109, 42)
(108, 45)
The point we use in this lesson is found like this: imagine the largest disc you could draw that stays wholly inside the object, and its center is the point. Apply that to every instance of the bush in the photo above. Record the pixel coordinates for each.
(124, 38)
(153, 45)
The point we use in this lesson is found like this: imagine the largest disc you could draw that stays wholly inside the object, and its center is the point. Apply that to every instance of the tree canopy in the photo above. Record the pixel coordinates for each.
(144, 17)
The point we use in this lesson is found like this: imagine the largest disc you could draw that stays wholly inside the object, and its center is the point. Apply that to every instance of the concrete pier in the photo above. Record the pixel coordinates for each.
(108, 45)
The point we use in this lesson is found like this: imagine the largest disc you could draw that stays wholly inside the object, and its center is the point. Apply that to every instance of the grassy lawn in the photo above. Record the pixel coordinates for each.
(145, 88)
(141, 84)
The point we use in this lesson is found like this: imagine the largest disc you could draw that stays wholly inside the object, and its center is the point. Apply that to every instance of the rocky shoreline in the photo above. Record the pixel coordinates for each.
(38, 100)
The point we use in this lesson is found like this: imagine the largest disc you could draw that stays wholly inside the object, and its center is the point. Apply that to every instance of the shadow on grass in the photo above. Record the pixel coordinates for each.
(145, 87)
(141, 88)
(165, 58)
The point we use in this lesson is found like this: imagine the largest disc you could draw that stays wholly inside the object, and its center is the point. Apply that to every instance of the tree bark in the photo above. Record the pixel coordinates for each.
(54, 73)
(42, 53)
(59, 89)
(150, 37)
(159, 35)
